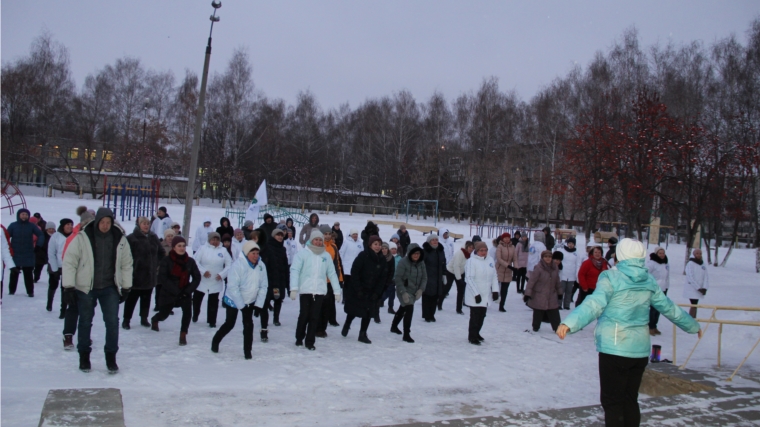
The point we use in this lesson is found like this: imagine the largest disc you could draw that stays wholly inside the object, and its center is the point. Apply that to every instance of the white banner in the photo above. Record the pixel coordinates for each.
(252, 213)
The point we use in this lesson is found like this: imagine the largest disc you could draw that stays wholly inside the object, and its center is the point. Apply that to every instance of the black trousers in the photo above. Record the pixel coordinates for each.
(461, 285)
(311, 309)
(53, 279)
(265, 311)
(329, 313)
(619, 380)
(28, 280)
(364, 324)
(165, 310)
(447, 287)
(404, 312)
(155, 296)
(582, 295)
(504, 290)
(519, 278)
(38, 271)
(143, 295)
(477, 316)
(229, 324)
(211, 309)
(71, 318)
(654, 315)
(538, 316)
(429, 305)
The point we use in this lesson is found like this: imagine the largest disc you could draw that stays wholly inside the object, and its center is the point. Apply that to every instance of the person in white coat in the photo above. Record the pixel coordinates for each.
(213, 262)
(697, 281)
(568, 276)
(238, 240)
(55, 262)
(535, 250)
(246, 291)
(456, 267)
(448, 251)
(309, 273)
(201, 234)
(7, 258)
(658, 267)
(482, 284)
(291, 247)
(351, 249)
(161, 223)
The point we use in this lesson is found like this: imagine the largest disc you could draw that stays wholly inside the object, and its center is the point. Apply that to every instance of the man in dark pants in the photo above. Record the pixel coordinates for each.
(21, 235)
(97, 266)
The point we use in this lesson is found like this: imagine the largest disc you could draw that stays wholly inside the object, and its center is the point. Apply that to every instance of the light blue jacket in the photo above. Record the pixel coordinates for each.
(309, 273)
(246, 284)
(621, 303)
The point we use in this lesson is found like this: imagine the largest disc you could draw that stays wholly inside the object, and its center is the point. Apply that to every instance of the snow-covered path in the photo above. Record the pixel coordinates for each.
(344, 382)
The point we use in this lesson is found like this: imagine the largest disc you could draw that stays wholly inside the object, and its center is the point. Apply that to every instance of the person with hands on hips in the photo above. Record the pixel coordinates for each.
(621, 304)
(247, 286)
(480, 276)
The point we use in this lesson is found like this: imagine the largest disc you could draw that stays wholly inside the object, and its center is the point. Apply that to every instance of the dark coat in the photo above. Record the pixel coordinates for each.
(435, 264)
(222, 230)
(170, 293)
(278, 271)
(338, 237)
(389, 273)
(292, 227)
(22, 240)
(544, 287)
(410, 276)
(267, 227)
(147, 252)
(404, 240)
(41, 253)
(370, 230)
(367, 284)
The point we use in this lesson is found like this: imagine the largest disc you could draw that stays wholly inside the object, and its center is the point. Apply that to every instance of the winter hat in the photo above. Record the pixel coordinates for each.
(391, 245)
(476, 239)
(168, 232)
(283, 227)
(177, 240)
(353, 231)
(277, 231)
(103, 212)
(558, 255)
(373, 239)
(630, 249)
(612, 240)
(539, 236)
(86, 215)
(226, 238)
(385, 246)
(238, 230)
(570, 240)
(142, 219)
(325, 229)
(162, 209)
(505, 236)
(545, 253)
(207, 220)
(395, 236)
(247, 224)
(546, 230)
(249, 246)
(480, 245)
(315, 234)
(34, 220)
(212, 235)
(402, 227)
(50, 225)
(176, 224)
(336, 223)
(431, 237)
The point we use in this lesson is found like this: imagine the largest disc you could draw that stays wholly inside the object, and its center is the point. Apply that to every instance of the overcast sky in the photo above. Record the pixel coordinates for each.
(348, 51)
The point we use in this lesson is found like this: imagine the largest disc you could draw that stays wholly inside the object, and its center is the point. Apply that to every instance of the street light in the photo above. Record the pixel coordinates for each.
(193, 172)
(142, 150)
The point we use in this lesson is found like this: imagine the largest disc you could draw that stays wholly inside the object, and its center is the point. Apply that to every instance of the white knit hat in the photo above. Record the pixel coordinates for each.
(249, 246)
(630, 249)
(392, 245)
(316, 234)
(353, 231)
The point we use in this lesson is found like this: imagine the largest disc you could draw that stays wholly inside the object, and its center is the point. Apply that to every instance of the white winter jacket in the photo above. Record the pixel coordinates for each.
(696, 278)
(571, 263)
(201, 235)
(160, 225)
(236, 248)
(535, 254)
(247, 284)
(291, 248)
(215, 260)
(55, 251)
(661, 273)
(6, 253)
(480, 276)
(448, 244)
(310, 272)
(456, 265)
(349, 251)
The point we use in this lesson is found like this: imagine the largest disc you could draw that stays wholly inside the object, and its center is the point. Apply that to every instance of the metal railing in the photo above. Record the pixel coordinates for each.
(712, 319)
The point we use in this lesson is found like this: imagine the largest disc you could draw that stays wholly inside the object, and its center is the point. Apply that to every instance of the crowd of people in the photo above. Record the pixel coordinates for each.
(251, 271)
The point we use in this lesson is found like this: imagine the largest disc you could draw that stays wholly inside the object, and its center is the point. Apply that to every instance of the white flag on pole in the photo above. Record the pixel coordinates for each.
(259, 200)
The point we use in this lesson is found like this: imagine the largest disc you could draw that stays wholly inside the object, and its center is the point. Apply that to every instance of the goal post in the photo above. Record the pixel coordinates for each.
(419, 206)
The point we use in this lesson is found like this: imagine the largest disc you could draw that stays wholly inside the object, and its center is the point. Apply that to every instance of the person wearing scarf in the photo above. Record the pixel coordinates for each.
(179, 276)
(55, 262)
(697, 280)
(589, 273)
(543, 292)
(363, 292)
(620, 305)
(309, 273)
(657, 265)
(456, 267)
(329, 312)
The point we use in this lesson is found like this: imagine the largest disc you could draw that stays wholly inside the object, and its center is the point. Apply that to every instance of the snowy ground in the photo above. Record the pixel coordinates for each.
(344, 382)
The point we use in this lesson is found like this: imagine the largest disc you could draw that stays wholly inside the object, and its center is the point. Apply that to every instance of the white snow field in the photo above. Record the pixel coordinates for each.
(343, 382)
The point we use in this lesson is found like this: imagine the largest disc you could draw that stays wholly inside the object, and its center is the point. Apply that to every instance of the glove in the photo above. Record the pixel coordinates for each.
(418, 295)
(69, 296)
(406, 298)
(495, 295)
(256, 311)
(124, 295)
(338, 297)
(341, 284)
(478, 299)
(526, 299)
(511, 268)
(703, 291)
(293, 295)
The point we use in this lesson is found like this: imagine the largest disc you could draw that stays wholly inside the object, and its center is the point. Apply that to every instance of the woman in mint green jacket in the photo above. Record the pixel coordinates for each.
(621, 304)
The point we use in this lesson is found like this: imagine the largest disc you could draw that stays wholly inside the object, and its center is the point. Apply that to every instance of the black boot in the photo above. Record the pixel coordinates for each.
(391, 310)
(377, 318)
(363, 338)
(125, 324)
(408, 338)
(63, 314)
(111, 363)
(84, 361)
(396, 330)
(264, 337)
(51, 295)
(344, 332)
(214, 345)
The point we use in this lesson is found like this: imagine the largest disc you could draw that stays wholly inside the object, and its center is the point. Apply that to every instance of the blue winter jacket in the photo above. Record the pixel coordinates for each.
(621, 303)
(22, 240)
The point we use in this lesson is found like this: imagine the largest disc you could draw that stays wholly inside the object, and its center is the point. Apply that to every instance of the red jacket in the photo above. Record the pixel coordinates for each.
(588, 274)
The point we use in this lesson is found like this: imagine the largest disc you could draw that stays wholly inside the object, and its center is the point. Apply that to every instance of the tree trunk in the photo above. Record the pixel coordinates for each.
(734, 234)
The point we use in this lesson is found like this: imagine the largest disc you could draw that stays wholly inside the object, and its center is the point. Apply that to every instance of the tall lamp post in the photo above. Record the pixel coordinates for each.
(193, 172)
(142, 150)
